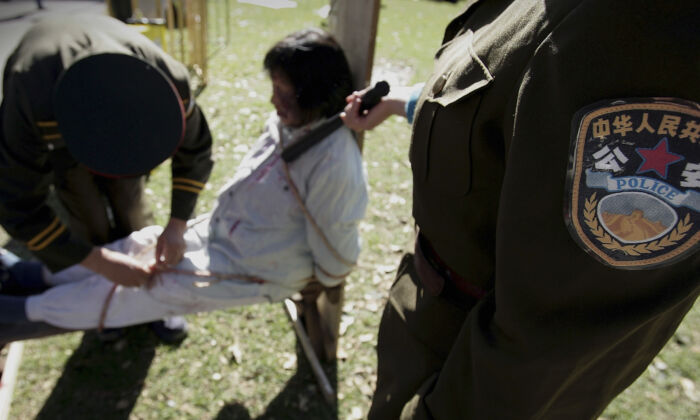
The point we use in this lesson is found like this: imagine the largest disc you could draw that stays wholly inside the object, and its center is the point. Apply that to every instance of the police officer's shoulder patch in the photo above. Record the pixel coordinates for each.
(634, 181)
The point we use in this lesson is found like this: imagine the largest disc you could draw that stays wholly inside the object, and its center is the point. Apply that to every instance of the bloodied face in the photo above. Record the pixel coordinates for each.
(284, 98)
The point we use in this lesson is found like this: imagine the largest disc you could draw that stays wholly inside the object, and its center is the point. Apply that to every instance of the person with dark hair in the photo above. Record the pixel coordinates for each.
(556, 190)
(319, 89)
(276, 225)
(89, 108)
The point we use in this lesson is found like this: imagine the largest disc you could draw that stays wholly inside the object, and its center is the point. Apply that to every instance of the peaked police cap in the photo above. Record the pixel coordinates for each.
(118, 115)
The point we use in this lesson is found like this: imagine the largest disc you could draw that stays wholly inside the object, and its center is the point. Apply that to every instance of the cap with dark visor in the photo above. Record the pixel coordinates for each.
(118, 115)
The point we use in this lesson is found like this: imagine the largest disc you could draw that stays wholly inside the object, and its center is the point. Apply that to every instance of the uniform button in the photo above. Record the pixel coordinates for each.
(440, 84)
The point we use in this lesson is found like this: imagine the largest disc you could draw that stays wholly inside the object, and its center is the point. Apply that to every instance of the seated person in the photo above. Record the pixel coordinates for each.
(260, 243)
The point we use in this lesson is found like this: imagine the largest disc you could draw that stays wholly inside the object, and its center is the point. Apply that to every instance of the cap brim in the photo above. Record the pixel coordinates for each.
(118, 115)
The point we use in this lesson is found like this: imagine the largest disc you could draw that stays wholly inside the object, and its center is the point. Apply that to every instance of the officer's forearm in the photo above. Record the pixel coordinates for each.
(117, 267)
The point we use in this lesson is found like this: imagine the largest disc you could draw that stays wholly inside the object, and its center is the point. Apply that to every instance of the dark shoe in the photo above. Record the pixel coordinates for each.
(171, 330)
(110, 335)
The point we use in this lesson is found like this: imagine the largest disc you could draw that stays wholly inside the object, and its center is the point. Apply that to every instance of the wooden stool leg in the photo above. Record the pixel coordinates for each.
(330, 309)
(323, 382)
(321, 309)
(311, 319)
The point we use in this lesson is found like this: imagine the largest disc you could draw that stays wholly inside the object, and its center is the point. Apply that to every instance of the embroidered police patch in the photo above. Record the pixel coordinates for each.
(634, 181)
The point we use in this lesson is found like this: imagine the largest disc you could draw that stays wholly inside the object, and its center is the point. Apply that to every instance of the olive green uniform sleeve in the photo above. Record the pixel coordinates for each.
(25, 180)
(191, 164)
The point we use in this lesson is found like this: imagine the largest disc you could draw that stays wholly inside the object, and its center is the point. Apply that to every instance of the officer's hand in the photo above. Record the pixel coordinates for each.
(117, 267)
(367, 120)
(171, 243)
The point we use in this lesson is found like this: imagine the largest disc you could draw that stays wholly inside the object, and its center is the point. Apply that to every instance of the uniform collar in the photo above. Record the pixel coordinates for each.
(457, 23)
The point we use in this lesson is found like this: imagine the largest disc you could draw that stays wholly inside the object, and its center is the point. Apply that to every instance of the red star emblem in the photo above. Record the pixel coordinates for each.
(657, 159)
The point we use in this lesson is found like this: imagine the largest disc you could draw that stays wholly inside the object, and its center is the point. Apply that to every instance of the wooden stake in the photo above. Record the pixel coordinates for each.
(9, 376)
(323, 382)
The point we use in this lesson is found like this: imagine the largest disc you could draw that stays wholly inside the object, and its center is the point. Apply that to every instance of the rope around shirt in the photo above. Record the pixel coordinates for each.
(214, 277)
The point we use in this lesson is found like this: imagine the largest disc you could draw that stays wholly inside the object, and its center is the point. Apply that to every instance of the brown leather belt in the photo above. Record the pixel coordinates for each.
(437, 277)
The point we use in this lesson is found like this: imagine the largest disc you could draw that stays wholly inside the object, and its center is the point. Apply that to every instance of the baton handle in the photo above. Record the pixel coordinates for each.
(374, 95)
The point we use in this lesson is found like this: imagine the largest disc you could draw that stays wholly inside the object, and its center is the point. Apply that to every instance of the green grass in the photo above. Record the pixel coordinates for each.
(244, 363)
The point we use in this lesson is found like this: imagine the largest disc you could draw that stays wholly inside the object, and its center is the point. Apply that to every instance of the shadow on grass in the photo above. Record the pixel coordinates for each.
(300, 399)
(102, 380)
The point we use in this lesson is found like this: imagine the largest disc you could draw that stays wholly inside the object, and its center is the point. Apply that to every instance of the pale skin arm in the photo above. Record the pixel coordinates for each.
(124, 270)
(171, 243)
(117, 267)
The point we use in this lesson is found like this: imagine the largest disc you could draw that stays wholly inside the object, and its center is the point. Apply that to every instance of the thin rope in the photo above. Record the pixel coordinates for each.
(311, 220)
(216, 278)
(105, 307)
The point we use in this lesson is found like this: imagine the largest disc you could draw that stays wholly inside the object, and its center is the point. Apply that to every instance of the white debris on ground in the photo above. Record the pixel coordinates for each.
(396, 74)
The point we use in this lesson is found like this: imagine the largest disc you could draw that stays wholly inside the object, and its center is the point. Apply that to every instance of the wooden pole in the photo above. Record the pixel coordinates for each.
(170, 21)
(354, 24)
(203, 37)
(182, 4)
(8, 378)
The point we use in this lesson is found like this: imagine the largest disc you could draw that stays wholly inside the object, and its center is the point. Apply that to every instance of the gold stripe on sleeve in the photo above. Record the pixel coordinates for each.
(45, 237)
(186, 188)
(188, 181)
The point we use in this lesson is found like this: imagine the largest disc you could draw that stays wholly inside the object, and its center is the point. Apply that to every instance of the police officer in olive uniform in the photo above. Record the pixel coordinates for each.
(556, 169)
(89, 107)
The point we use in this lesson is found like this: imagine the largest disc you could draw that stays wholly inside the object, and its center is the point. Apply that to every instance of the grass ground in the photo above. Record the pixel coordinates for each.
(244, 363)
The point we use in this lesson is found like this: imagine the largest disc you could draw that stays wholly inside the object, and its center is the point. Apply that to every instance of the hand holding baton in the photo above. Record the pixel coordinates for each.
(369, 99)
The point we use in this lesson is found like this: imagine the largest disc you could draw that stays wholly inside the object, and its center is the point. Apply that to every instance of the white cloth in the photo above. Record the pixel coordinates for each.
(257, 229)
